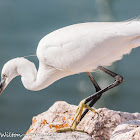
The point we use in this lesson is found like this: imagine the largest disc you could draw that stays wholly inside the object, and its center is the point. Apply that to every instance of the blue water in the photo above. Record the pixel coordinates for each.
(24, 23)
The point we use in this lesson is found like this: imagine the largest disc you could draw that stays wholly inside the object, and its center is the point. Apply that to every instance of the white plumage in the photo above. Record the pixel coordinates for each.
(75, 49)
(83, 47)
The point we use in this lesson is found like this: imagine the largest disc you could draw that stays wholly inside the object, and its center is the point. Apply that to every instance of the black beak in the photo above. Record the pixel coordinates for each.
(2, 84)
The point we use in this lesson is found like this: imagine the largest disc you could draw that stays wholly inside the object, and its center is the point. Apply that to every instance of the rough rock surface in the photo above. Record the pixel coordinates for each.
(60, 136)
(61, 115)
(129, 130)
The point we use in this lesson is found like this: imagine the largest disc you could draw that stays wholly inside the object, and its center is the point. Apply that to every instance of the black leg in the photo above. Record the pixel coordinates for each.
(94, 98)
(97, 87)
(118, 81)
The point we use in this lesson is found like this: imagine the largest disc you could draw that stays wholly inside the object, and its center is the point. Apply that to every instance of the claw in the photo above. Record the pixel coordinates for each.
(53, 131)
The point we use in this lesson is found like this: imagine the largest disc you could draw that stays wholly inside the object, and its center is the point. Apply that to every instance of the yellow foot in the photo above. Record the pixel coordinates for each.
(79, 112)
(67, 129)
(77, 117)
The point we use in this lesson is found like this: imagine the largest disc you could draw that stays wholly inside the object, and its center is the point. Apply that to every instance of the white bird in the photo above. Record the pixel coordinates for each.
(75, 49)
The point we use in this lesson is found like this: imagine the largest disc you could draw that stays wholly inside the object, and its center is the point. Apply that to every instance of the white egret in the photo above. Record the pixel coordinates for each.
(75, 49)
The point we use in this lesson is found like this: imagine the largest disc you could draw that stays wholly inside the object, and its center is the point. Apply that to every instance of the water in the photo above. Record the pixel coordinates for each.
(24, 23)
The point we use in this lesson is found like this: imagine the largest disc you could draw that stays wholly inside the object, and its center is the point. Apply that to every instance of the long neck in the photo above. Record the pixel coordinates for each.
(33, 80)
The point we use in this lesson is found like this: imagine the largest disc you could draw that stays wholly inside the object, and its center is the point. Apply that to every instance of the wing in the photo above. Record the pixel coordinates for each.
(83, 47)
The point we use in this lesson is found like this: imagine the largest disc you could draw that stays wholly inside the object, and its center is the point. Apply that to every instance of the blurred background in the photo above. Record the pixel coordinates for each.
(24, 23)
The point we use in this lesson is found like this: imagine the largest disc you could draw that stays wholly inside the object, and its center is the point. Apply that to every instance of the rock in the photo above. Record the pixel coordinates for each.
(60, 136)
(129, 130)
(61, 114)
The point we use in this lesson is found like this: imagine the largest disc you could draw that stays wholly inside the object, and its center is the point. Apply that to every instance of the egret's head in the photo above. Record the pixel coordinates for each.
(3, 82)
(9, 71)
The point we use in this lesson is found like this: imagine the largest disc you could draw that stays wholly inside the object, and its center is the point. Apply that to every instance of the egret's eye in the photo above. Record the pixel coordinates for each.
(4, 75)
